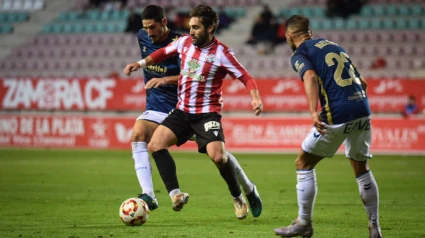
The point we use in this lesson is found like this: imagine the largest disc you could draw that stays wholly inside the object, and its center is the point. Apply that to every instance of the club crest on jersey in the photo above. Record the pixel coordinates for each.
(211, 58)
(191, 72)
(212, 125)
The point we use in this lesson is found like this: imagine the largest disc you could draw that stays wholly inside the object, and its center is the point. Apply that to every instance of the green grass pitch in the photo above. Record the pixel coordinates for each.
(70, 194)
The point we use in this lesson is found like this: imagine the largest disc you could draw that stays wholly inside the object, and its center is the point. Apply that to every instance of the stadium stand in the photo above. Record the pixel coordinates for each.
(93, 40)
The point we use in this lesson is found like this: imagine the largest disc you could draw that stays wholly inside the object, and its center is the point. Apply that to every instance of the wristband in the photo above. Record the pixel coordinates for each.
(142, 63)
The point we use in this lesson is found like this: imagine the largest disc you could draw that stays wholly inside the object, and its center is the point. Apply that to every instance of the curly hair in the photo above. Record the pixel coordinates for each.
(207, 15)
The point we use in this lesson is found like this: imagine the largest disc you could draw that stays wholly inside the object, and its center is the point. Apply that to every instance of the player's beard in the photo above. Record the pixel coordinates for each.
(201, 39)
(292, 45)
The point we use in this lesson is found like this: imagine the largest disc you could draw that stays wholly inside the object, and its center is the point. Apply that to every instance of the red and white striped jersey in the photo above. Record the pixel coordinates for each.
(202, 73)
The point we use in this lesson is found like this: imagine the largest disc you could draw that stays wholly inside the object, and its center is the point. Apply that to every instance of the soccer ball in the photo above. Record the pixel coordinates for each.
(134, 212)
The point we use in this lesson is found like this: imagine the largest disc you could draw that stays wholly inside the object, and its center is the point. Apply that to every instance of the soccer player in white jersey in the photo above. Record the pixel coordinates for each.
(161, 99)
(329, 76)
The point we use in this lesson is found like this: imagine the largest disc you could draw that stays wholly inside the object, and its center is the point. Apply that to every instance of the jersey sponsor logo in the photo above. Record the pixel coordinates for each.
(193, 66)
(212, 125)
(359, 125)
(157, 68)
(298, 66)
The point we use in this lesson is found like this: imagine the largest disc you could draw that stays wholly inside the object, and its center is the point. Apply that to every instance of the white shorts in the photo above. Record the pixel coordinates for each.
(153, 116)
(356, 136)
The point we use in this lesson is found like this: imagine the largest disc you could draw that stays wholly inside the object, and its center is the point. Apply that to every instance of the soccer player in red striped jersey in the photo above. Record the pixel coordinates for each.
(205, 62)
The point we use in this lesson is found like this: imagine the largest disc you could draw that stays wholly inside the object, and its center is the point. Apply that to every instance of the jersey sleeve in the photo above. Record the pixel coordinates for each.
(301, 63)
(232, 65)
(171, 49)
(236, 70)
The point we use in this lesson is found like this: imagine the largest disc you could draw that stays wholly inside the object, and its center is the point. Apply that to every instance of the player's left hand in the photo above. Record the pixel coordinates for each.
(257, 106)
(155, 82)
(320, 126)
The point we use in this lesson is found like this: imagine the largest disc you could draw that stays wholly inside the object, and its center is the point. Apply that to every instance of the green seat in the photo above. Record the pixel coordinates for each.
(121, 26)
(363, 23)
(403, 10)
(93, 15)
(327, 24)
(339, 23)
(3, 17)
(57, 28)
(48, 28)
(105, 15)
(388, 24)
(378, 11)
(5, 28)
(351, 24)
(391, 10)
(68, 28)
(90, 27)
(366, 11)
(319, 12)
(414, 23)
(375, 24)
(315, 25)
(307, 11)
(401, 23)
(79, 27)
(417, 10)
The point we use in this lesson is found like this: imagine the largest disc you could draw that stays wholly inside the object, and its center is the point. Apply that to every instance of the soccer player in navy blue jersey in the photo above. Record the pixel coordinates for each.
(161, 84)
(330, 76)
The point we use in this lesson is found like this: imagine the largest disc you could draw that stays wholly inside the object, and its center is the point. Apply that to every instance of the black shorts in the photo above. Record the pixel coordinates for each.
(206, 126)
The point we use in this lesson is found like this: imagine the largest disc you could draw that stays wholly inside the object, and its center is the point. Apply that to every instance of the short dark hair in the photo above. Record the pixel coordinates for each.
(207, 14)
(298, 23)
(153, 12)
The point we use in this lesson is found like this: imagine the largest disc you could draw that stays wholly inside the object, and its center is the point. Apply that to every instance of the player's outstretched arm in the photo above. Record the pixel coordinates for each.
(311, 86)
(156, 82)
(137, 65)
(256, 103)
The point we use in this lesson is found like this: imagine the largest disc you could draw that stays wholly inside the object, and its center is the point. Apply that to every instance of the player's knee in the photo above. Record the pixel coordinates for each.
(138, 135)
(218, 158)
(153, 146)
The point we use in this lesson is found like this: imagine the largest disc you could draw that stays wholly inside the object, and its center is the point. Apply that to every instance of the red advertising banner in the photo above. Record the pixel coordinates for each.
(278, 95)
(242, 134)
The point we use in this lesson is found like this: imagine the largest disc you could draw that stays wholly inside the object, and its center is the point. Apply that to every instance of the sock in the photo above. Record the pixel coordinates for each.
(243, 180)
(228, 174)
(369, 194)
(143, 167)
(166, 168)
(306, 193)
(174, 192)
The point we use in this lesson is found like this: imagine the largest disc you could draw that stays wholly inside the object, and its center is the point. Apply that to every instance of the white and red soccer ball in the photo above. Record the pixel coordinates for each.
(134, 212)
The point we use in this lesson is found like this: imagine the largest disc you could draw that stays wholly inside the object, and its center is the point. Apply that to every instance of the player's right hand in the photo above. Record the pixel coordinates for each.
(131, 67)
(317, 122)
(154, 83)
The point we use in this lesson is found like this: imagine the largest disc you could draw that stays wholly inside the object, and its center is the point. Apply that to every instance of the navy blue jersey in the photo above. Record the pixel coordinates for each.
(163, 98)
(341, 95)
